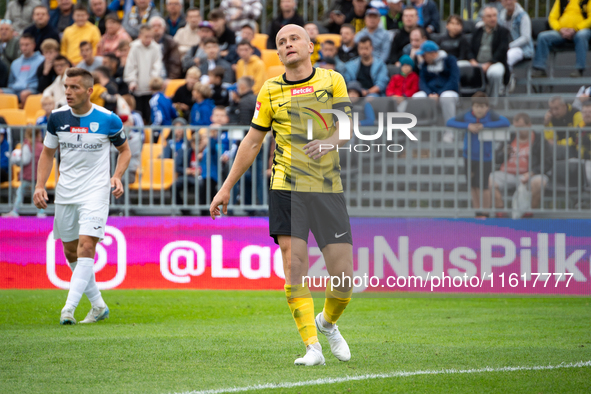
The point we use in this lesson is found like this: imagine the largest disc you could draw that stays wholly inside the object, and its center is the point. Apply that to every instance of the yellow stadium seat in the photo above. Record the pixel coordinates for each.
(275, 71)
(157, 174)
(147, 135)
(260, 41)
(163, 136)
(8, 101)
(172, 86)
(154, 153)
(270, 58)
(32, 106)
(334, 37)
(14, 117)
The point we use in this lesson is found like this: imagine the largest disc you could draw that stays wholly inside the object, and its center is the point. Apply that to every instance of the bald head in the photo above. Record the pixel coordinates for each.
(294, 46)
(289, 30)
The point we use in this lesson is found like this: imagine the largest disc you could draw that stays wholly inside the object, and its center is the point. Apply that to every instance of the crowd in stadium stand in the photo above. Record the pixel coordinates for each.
(382, 48)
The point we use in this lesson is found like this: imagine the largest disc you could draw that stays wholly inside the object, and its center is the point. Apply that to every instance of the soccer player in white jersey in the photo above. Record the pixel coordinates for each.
(84, 132)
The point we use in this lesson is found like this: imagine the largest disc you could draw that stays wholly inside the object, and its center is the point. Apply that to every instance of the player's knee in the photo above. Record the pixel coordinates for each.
(71, 255)
(86, 247)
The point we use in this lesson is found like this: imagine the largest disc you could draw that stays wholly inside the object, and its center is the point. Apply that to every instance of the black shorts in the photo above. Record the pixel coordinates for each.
(475, 173)
(296, 213)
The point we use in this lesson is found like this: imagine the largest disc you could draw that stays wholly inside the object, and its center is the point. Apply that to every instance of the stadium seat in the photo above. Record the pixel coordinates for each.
(172, 87)
(260, 41)
(8, 101)
(32, 106)
(424, 109)
(275, 71)
(393, 70)
(336, 38)
(538, 25)
(14, 117)
(153, 152)
(163, 136)
(156, 175)
(147, 135)
(270, 58)
(472, 80)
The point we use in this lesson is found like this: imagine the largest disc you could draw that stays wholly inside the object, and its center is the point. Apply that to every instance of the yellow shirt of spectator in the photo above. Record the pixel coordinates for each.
(572, 17)
(74, 35)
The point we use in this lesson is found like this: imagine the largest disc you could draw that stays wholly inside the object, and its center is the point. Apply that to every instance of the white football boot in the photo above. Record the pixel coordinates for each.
(338, 345)
(67, 316)
(96, 314)
(313, 356)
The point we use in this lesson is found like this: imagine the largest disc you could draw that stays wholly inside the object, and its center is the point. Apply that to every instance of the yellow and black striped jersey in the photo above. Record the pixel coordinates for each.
(289, 109)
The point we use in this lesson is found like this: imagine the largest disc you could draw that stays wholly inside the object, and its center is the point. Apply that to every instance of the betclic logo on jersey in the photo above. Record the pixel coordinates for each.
(79, 130)
(113, 248)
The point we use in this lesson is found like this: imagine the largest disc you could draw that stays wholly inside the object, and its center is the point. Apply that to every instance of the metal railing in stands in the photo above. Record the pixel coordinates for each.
(426, 179)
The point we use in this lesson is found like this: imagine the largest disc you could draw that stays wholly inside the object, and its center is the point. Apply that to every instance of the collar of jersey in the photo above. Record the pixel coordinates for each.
(301, 80)
(80, 116)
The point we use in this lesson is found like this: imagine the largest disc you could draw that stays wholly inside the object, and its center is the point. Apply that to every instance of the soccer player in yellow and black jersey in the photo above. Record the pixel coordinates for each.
(306, 191)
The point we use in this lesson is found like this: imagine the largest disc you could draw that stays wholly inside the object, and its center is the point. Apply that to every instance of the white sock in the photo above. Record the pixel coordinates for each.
(324, 323)
(92, 291)
(80, 278)
(317, 346)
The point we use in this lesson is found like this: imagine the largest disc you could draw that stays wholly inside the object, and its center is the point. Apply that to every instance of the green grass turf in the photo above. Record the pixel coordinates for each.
(178, 341)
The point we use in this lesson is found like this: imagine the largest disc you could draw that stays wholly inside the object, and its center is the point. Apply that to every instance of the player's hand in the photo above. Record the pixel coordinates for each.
(40, 198)
(317, 148)
(116, 183)
(221, 198)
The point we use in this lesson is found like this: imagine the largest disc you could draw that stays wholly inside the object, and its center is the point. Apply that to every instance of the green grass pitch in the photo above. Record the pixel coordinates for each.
(183, 341)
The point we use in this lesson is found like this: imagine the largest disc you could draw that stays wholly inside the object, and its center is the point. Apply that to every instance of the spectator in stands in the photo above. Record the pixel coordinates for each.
(136, 119)
(247, 35)
(361, 106)
(439, 80)
(143, 63)
(170, 49)
(410, 18)
(562, 115)
(4, 71)
(41, 29)
(569, 23)
(9, 44)
(497, 4)
(56, 90)
(313, 33)
(405, 84)
(140, 14)
(162, 110)
(241, 12)
(48, 105)
(250, 65)
(243, 102)
(20, 13)
(225, 36)
(116, 72)
(183, 97)
(212, 51)
(31, 149)
(584, 145)
(428, 13)
(177, 143)
(327, 63)
(123, 51)
(219, 90)
(473, 121)
(62, 16)
(45, 72)
(454, 42)
(582, 96)
(89, 61)
(98, 12)
(188, 36)
(348, 49)
(417, 37)
(336, 19)
(82, 30)
(187, 170)
(203, 107)
(393, 19)
(4, 151)
(135, 138)
(329, 53)
(521, 162)
(196, 53)
(176, 17)
(370, 72)
(489, 47)
(380, 39)
(515, 19)
(102, 75)
(288, 16)
(356, 16)
(114, 33)
(22, 80)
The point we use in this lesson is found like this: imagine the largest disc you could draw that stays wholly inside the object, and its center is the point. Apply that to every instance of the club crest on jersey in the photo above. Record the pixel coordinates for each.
(79, 130)
(94, 126)
(299, 91)
(322, 96)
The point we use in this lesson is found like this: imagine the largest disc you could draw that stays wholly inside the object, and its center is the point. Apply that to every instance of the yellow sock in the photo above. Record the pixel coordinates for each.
(301, 305)
(335, 303)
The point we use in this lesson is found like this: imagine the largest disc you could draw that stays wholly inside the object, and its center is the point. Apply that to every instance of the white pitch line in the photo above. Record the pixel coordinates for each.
(398, 374)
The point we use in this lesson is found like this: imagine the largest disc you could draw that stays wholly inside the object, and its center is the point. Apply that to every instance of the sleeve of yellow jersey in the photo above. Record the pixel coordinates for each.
(340, 95)
(263, 113)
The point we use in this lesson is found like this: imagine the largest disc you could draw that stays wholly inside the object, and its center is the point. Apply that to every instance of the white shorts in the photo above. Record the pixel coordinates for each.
(73, 220)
